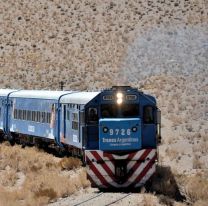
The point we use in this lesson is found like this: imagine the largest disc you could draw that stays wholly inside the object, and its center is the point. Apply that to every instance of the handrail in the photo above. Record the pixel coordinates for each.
(6, 123)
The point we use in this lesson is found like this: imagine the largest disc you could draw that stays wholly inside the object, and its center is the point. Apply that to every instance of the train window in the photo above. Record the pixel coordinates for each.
(42, 117)
(0, 111)
(108, 110)
(20, 114)
(92, 115)
(67, 115)
(74, 125)
(33, 115)
(74, 116)
(48, 118)
(125, 110)
(38, 116)
(24, 114)
(148, 115)
(15, 114)
(29, 115)
(75, 121)
(130, 110)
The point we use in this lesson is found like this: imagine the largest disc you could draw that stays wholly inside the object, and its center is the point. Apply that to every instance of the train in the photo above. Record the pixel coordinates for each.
(114, 131)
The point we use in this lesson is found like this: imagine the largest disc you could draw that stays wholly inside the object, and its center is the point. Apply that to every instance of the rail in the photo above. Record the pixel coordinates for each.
(95, 197)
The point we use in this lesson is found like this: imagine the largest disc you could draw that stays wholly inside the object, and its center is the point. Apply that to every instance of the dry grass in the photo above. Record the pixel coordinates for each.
(149, 200)
(195, 188)
(8, 177)
(188, 121)
(172, 154)
(197, 163)
(83, 38)
(70, 163)
(43, 178)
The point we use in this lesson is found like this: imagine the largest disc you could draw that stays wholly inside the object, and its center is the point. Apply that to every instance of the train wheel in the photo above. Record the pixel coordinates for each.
(1, 137)
(10, 139)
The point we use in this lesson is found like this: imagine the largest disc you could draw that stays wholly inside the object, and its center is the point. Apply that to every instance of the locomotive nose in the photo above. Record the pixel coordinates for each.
(119, 134)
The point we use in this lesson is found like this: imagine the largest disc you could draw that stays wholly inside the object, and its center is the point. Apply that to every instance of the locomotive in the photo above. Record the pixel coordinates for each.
(115, 131)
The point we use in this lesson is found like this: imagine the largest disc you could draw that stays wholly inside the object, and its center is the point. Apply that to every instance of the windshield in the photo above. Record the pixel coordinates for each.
(115, 111)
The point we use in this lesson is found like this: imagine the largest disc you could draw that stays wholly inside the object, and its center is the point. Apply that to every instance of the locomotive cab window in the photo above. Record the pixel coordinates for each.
(92, 115)
(148, 115)
(125, 110)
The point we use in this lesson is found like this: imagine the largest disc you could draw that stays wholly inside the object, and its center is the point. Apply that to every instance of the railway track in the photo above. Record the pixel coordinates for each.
(90, 199)
(104, 199)
(112, 203)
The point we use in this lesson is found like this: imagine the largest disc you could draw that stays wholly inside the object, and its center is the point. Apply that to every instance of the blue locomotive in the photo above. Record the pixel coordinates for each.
(115, 131)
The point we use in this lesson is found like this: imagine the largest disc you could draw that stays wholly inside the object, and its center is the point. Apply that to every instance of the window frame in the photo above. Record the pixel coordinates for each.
(75, 120)
(152, 114)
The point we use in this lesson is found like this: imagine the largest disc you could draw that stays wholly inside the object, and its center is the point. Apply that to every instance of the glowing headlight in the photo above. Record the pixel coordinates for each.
(119, 95)
(119, 101)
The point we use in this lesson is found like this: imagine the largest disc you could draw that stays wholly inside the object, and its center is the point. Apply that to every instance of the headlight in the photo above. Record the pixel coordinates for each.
(105, 129)
(119, 101)
(119, 96)
(134, 129)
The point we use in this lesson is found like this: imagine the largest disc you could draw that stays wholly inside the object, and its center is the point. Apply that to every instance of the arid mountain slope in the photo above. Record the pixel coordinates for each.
(158, 46)
(82, 43)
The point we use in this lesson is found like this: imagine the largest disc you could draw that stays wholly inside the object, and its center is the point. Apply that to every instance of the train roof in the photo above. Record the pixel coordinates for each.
(5, 92)
(40, 94)
(67, 97)
(78, 97)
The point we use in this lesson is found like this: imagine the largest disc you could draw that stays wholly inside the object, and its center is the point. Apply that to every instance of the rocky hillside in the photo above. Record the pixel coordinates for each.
(82, 43)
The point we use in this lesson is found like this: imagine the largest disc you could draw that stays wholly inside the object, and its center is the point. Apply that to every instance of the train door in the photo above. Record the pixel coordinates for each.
(4, 114)
(8, 113)
(1, 115)
(72, 131)
(149, 127)
(67, 123)
(75, 126)
(92, 128)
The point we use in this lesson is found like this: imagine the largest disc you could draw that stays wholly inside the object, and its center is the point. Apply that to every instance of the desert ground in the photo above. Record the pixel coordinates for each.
(160, 47)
